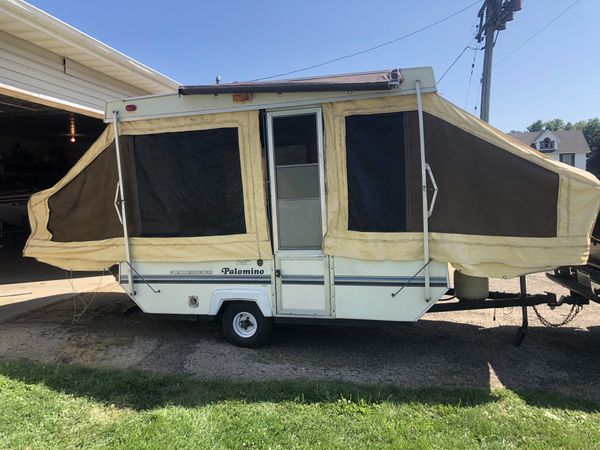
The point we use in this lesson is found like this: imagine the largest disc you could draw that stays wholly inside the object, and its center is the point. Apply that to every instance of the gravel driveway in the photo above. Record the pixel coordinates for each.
(445, 349)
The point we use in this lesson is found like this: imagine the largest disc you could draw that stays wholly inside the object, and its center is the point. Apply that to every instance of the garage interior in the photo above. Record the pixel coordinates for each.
(38, 146)
(55, 81)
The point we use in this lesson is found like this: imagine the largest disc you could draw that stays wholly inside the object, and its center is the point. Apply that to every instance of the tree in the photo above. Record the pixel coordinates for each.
(591, 131)
(538, 125)
(592, 163)
(554, 125)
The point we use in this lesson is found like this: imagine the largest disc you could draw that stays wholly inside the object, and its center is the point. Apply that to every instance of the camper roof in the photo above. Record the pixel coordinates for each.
(362, 81)
(293, 93)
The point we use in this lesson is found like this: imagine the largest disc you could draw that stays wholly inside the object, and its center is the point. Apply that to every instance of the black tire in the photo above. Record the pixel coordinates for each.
(245, 326)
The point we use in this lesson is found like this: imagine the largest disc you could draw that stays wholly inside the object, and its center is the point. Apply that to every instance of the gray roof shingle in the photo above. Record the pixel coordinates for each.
(571, 141)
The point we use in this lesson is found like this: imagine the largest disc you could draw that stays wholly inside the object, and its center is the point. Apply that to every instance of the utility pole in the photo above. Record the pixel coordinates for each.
(493, 16)
(496, 13)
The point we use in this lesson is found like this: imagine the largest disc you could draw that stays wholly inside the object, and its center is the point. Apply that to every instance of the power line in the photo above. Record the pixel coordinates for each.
(456, 60)
(533, 36)
(471, 76)
(478, 100)
(375, 47)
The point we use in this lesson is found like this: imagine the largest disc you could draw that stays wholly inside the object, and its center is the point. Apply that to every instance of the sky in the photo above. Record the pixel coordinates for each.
(556, 74)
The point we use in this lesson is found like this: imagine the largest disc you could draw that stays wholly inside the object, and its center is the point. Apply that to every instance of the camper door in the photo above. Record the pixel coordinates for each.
(295, 150)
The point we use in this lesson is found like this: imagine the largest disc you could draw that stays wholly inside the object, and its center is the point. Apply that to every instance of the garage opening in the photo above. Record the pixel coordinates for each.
(38, 146)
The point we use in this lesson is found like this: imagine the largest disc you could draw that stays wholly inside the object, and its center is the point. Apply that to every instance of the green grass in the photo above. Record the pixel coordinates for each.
(64, 406)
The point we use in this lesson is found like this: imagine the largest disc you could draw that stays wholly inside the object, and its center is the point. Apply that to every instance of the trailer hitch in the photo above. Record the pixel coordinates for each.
(522, 299)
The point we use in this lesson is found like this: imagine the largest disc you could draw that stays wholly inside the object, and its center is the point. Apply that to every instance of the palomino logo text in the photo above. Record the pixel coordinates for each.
(229, 271)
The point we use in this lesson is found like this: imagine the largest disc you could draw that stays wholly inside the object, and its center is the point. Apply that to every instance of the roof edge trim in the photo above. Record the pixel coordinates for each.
(46, 23)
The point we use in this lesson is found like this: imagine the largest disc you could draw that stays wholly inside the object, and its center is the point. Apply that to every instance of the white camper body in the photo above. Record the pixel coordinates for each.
(299, 281)
(304, 286)
(338, 198)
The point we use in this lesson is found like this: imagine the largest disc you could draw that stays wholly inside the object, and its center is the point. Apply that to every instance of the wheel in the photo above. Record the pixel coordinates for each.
(245, 326)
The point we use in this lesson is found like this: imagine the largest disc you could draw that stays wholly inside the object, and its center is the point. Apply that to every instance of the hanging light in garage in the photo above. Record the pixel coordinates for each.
(72, 128)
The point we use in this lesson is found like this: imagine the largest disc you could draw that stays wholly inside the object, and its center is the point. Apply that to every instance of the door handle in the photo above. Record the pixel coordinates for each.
(277, 273)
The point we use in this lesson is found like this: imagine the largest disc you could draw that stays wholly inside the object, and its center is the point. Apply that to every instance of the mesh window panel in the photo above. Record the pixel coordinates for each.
(83, 210)
(189, 183)
(376, 169)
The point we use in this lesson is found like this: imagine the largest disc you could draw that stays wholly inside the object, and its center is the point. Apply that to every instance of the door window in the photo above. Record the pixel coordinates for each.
(296, 150)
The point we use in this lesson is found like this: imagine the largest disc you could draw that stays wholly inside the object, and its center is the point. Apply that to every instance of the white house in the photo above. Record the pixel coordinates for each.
(48, 62)
(567, 146)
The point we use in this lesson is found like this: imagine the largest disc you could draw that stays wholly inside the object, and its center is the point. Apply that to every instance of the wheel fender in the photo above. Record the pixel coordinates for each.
(258, 296)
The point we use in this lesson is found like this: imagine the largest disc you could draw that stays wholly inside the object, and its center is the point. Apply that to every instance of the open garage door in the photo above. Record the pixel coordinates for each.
(38, 146)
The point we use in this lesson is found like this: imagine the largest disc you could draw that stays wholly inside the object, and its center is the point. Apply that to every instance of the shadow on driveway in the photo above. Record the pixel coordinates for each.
(431, 353)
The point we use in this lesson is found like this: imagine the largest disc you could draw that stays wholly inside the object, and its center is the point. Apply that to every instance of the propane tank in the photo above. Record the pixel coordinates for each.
(470, 288)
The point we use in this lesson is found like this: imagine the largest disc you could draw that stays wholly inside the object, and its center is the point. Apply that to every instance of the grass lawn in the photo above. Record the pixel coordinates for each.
(64, 406)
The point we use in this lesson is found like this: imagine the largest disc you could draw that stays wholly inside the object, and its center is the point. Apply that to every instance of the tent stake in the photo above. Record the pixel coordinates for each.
(424, 194)
(130, 290)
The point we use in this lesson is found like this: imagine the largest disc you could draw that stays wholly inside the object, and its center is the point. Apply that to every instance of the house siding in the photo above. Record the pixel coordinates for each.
(36, 74)
(580, 159)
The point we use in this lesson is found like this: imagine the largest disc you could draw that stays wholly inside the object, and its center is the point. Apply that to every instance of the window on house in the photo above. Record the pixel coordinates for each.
(568, 158)
(546, 144)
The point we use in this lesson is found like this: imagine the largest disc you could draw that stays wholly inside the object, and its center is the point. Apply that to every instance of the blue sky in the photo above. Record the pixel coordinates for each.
(557, 74)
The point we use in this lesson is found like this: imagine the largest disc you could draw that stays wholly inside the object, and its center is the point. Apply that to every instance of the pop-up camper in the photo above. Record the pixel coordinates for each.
(342, 197)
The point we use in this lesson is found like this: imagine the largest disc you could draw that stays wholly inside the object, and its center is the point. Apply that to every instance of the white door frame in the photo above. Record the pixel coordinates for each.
(297, 254)
(273, 182)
